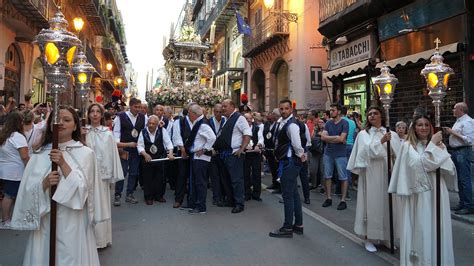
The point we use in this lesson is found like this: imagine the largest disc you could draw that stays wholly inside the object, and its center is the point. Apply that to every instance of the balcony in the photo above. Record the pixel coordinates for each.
(221, 14)
(95, 14)
(37, 11)
(113, 55)
(270, 31)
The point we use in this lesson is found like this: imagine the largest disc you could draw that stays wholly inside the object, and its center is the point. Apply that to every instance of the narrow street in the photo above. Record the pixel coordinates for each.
(161, 235)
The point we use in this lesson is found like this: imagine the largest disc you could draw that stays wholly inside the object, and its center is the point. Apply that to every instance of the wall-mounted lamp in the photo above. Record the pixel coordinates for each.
(341, 40)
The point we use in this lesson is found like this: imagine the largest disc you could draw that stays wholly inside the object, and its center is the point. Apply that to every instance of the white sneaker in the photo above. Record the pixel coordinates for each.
(370, 247)
(5, 224)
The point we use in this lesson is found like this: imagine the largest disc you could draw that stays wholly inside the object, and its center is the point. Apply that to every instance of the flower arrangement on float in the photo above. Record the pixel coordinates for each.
(178, 96)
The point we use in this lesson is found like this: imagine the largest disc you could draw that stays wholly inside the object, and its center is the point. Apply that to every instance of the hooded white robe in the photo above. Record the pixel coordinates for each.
(101, 140)
(413, 180)
(369, 160)
(77, 207)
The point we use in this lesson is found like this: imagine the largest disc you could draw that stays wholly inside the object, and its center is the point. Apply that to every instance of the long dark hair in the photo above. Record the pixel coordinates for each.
(102, 111)
(76, 134)
(367, 123)
(13, 123)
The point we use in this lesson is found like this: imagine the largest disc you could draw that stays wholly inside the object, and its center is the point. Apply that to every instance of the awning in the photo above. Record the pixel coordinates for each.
(346, 70)
(452, 48)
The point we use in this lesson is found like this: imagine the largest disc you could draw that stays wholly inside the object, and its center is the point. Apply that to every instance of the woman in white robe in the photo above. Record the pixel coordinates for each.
(369, 160)
(413, 180)
(100, 139)
(76, 197)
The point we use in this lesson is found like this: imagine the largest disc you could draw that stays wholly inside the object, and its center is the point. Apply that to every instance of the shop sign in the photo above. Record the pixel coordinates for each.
(316, 73)
(237, 85)
(352, 52)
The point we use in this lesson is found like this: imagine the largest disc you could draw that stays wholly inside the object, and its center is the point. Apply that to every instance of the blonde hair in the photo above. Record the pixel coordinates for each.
(412, 138)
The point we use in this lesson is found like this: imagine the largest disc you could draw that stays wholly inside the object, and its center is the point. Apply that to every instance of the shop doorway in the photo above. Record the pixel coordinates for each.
(38, 94)
(258, 90)
(12, 74)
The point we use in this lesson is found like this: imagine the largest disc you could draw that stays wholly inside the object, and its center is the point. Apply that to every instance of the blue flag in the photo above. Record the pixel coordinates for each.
(243, 27)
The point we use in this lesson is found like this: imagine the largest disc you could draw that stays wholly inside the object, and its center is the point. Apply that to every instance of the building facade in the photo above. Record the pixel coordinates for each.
(362, 34)
(284, 55)
(102, 36)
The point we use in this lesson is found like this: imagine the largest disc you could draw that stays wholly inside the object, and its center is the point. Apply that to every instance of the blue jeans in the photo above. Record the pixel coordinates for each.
(289, 192)
(348, 155)
(341, 165)
(130, 167)
(462, 159)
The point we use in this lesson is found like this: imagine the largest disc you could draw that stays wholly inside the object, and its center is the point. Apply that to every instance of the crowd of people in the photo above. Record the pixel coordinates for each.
(329, 151)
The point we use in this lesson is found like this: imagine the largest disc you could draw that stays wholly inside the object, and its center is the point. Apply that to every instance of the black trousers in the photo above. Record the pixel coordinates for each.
(153, 180)
(171, 173)
(216, 180)
(181, 180)
(273, 164)
(253, 175)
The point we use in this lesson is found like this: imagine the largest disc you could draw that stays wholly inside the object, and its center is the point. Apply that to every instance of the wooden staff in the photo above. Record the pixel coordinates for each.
(389, 172)
(54, 167)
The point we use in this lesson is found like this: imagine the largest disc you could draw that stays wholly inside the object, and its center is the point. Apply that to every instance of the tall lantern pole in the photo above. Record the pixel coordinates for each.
(58, 48)
(385, 85)
(82, 71)
(437, 75)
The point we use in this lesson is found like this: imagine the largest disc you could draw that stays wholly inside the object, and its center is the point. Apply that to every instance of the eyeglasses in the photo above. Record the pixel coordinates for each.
(373, 114)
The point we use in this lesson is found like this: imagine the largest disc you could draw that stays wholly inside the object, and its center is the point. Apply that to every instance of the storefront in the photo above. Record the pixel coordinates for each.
(408, 53)
(350, 73)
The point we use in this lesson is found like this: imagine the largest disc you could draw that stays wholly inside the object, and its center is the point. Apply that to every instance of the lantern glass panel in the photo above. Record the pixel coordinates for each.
(445, 80)
(388, 88)
(378, 88)
(52, 53)
(70, 54)
(82, 77)
(432, 80)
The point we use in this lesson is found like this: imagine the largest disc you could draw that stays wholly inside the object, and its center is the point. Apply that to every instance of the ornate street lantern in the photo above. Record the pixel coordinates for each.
(385, 84)
(58, 48)
(82, 71)
(436, 75)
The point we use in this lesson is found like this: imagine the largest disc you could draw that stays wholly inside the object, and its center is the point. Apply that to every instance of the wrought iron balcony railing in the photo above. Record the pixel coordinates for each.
(37, 11)
(268, 32)
(329, 8)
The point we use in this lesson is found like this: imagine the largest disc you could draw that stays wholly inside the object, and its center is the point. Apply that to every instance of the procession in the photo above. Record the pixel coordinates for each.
(243, 147)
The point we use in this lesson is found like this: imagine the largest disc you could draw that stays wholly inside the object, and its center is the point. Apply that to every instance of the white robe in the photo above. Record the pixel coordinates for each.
(369, 160)
(413, 180)
(77, 208)
(102, 141)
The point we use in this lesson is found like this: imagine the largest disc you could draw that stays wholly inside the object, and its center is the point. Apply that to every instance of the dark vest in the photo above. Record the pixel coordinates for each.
(184, 128)
(255, 130)
(213, 125)
(269, 142)
(192, 136)
(126, 127)
(224, 137)
(161, 153)
(284, 142)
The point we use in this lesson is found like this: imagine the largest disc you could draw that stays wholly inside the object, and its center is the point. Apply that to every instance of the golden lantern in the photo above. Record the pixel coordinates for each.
(385, 85)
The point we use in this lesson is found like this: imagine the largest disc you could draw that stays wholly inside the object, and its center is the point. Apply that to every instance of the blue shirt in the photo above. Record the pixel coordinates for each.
(352, 129)
(335, 150)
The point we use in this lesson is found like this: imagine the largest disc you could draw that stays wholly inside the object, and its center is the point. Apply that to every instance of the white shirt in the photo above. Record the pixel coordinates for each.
(33, 136)
(205, 139)
(260, 136)
(217, 124)
(241, 129)
(465, 127)
(169, 128)
(167, 144)
(177, 139)
(293, 132)
(11, 164)
(117, 125)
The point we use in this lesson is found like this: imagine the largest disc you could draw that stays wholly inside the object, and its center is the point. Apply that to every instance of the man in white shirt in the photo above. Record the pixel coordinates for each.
(154, 143)
(216, 122)
(461, 139)
(291, 155)
(253, 161)
(127, 127)
(199, 147)
(231, 142)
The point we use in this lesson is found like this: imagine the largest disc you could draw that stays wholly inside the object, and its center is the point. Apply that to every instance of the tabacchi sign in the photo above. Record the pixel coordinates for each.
(352, 52)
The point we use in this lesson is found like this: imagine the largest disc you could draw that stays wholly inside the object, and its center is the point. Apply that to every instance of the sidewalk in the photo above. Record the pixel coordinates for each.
(454, 198)
(463, 231)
